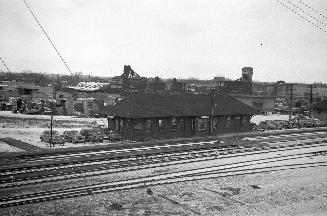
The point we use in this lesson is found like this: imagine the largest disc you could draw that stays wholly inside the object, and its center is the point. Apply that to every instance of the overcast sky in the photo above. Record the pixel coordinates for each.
(167, 38)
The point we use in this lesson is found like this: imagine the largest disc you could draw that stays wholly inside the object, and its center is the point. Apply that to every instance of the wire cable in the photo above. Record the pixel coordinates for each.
(5, 65)
(312, 9)
(315, 25)
(62, 59)
(303, 11)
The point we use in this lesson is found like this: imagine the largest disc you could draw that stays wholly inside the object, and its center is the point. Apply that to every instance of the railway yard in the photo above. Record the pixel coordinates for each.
(162, 108)
(254, 174)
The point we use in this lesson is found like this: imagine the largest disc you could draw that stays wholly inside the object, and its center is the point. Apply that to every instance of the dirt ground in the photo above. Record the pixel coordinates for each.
(296, 192)
(291, 192)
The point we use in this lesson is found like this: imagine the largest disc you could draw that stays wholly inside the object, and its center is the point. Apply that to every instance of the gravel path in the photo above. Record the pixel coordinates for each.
(296, 192)
(288, 192)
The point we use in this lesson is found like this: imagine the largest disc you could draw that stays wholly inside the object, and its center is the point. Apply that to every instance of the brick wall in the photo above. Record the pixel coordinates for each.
(140, 129)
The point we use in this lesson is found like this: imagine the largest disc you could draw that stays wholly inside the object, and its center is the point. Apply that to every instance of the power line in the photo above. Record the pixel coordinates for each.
(5, 65)
(307, 13)
(301, 16)
(312, 9)
(314, 24)
(47, 36)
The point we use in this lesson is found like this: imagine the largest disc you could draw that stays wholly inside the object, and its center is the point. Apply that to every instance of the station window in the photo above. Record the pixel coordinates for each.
(202, 124)
(160, 125)
(138, 126)
(173, 124)
(192, 124)
(244, 121)
(148, 125)
(121, 125)
(215, 123)
(228, 121)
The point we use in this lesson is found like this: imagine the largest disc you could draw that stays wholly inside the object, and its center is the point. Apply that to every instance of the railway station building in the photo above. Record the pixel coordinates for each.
(153, 116)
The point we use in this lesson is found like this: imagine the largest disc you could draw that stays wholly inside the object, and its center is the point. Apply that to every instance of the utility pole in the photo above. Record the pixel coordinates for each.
(51, 123)
(290, 106)
(51, 118)
(212, 107)
(310, 107)
(108, 120)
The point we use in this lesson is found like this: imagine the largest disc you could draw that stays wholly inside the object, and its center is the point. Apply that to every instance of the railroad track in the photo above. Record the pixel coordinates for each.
(31, 169)
(295, 161)
(53, 158)
(42, 174)
(292, 135)
(115, 152)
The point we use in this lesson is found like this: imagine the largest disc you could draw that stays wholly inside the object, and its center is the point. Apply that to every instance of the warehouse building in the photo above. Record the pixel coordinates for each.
(242, 85)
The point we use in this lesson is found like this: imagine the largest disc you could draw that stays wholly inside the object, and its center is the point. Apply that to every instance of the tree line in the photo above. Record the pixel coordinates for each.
(44, 79)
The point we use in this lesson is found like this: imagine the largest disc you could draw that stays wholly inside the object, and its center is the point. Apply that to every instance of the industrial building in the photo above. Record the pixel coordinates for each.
(129, 81)
(65, 99)
(156, 85)
(242, 85)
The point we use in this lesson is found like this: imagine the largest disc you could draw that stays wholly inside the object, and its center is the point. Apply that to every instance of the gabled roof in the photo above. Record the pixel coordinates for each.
(178, 105)
(321, 105)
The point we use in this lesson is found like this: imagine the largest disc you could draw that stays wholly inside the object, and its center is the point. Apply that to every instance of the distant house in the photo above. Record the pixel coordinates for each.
(235, 87)
(7, 91)
(27, 90)
(148, 116)
(320, 111)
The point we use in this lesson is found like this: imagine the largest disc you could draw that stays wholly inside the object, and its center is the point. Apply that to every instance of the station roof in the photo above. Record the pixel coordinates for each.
(178, 105)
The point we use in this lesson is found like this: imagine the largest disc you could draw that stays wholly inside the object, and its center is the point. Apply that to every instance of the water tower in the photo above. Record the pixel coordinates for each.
(247, 73)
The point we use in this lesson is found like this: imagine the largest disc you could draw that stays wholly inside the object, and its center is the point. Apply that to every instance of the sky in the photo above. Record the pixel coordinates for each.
(168, 38)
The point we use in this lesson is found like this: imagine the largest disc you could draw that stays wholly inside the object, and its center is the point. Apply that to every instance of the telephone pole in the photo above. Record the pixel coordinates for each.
(213, 93)
(51, 124)
(51, 118)
(290, 106)
(311, 99)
